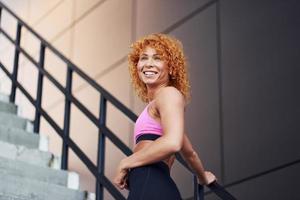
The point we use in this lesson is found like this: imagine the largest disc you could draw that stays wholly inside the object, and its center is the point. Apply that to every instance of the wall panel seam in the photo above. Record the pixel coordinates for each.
(220, 90)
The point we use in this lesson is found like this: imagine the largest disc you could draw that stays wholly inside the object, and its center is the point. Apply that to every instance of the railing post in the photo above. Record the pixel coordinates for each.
(198, 189)
(195, 188)
(36, 128)
(65, 149)
(16, 65)
(101, 148)
(0, 14)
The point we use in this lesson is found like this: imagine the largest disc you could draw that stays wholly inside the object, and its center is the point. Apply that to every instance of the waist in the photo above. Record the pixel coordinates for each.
(159, 165)
(143, 141)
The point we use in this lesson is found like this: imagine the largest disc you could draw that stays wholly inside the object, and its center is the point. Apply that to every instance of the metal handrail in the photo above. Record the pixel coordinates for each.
(100, 122)
(68, 141)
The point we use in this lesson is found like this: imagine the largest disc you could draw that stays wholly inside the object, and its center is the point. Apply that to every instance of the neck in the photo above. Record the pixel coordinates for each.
(153, 91)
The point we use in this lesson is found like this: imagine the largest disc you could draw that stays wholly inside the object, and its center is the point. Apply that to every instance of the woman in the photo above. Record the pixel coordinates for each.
(158, 70)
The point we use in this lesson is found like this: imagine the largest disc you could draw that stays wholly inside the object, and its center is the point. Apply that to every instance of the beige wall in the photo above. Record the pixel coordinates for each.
(95, 35)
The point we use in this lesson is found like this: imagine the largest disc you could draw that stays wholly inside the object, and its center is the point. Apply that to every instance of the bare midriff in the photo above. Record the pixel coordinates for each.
(144, 143)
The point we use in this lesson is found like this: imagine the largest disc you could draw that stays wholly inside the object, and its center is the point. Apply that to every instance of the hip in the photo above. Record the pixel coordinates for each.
(152, 182)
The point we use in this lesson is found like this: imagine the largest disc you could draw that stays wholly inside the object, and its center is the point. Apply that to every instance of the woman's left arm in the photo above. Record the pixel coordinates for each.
(195, 163)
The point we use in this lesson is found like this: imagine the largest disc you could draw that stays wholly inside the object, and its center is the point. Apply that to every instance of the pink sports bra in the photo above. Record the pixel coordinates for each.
(145, 125)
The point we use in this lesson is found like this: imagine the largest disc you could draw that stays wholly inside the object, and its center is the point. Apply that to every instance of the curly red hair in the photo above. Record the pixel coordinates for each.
(172, 52)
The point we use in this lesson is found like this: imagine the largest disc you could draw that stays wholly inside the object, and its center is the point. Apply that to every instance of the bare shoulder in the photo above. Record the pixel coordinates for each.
(170, 96)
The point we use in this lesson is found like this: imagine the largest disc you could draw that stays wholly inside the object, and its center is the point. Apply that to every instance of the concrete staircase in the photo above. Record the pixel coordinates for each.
(27, 170)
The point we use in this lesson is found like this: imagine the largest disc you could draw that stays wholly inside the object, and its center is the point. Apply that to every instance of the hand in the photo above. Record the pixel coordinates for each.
(207, 179)
(121, 176)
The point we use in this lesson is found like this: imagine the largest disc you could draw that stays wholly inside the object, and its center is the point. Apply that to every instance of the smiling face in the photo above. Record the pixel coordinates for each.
(153, 69)
(171, 60)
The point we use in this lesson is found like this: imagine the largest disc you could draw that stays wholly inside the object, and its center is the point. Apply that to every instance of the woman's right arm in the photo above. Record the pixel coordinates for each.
(194, 162)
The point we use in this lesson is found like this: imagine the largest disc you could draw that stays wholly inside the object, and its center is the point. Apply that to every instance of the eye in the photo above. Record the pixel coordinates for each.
(143, 58)
(157, 58)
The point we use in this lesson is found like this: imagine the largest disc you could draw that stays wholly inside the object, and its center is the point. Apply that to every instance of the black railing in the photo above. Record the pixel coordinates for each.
(100, 121)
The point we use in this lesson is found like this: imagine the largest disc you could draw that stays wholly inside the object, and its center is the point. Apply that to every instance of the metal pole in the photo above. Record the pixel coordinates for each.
(16, 65)
(195, 188)
(39, 90)
(0, 15)
(101, 148)
(65, 149)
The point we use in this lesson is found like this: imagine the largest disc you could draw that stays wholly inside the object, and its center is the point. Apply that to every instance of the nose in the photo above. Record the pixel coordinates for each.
(149, 63)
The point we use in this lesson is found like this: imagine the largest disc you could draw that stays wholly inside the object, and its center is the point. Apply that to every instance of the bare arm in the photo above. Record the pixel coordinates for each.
(170, 104)
(194, 162)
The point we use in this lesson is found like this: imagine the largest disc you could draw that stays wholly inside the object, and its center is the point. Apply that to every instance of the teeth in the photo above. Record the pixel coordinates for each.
(149, 73)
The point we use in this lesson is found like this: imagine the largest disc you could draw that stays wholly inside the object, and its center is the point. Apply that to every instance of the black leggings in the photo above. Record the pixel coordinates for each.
(152, 182)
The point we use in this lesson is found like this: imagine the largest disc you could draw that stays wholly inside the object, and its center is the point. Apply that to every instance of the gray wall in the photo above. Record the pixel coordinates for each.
(260, 43)
(257, 125)
(245, 95)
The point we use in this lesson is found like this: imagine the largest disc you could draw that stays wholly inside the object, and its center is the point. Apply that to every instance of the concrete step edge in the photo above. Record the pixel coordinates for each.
(22, 153)
(11, 133)
(18, 137)
(73, 180)
(8, 107)
(4, 97)
(44, 174)
(24, 187)
(17, 167)
(13, 120)
(90, 196)
(44, 143)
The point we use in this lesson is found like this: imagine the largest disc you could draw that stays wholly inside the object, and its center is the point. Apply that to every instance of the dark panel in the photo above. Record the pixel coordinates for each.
(198, 36)
(156, 15)
(279, 185)
(260, 62)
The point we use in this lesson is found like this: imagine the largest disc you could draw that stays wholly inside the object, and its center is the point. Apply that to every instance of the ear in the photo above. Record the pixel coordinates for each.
(170, 70)
(171, 75)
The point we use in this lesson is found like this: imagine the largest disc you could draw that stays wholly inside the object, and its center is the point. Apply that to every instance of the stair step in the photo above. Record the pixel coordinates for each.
(8, 107)
(9, 197)
(23, 169)
(4, 97)
(14, 187)
(19, 137)
(13, 120)
(22, 153)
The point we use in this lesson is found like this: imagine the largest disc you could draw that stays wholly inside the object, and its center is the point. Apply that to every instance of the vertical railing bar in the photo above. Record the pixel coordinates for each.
(65, 148)
(101, 147)
(195, 188)
(36, 127)
(0, 15)
(16, 64)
